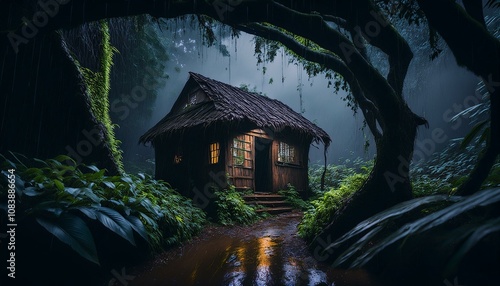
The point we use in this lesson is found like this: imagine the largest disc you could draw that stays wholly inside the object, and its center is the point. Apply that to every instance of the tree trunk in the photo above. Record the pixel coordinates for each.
(46, 108)
(387, 185)
(477, 50)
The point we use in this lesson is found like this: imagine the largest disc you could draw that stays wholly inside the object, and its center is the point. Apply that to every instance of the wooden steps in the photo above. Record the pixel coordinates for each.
(271, 203)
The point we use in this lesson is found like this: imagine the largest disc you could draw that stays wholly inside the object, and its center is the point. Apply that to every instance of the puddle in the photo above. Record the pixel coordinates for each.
(266, 253)
(228, 261)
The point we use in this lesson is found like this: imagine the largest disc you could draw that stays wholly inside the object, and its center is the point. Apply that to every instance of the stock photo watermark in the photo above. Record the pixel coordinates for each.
(120, 278)
(223, 7)
(10, 235)
(47, 9)
(426, 147)
(127, 102)
(455, 282)
(371, 30)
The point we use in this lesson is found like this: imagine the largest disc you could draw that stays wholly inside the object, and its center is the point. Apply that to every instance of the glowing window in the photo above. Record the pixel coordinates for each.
(286, 153)
(214, 153)
(177, 159)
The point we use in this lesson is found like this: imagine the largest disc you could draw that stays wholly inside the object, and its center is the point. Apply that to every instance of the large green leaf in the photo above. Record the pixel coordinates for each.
(138, 226)
(32, 192)
(392, 213)
(90, 212)
(487, 228)
(72, 230)
(436, 219)
(473, 133)
(115, 222)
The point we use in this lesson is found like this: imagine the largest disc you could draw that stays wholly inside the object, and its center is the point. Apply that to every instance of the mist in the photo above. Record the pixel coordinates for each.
(435, 89)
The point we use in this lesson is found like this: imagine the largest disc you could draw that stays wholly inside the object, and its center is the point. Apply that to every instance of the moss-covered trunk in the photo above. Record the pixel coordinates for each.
(45, 105)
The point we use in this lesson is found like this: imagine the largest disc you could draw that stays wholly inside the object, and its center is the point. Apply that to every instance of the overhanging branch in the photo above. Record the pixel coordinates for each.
(332, 62)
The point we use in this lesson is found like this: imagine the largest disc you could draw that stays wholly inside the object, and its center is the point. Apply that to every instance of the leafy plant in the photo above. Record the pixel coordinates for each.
(293, 198)
(232, 209)
(325, 207)
(67, 199)
(444, 171)
(449, 234)
(336, 173)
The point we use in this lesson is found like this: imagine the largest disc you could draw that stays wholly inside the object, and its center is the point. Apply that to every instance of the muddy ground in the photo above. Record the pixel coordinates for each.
(268, 252)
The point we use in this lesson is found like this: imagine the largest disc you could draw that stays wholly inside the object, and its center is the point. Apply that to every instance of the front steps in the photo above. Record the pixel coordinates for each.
(270, 203)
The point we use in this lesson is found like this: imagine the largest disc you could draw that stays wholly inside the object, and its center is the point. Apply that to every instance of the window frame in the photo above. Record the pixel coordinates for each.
(214, 153)
(287, 154)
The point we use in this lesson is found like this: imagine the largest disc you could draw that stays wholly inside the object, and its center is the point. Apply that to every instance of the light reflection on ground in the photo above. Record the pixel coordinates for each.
(266, 257)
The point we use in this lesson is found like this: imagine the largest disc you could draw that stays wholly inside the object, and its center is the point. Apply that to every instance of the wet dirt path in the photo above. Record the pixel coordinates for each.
(268, 252)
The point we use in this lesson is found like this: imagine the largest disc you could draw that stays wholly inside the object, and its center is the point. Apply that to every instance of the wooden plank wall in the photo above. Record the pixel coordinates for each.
(241, 170)
(284, 174)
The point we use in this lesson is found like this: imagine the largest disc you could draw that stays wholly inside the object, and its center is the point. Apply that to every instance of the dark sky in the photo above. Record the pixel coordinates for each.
(432, 89)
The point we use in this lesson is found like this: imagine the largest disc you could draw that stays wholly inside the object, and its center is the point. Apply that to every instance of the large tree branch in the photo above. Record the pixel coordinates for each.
(308, 26)
(362, 15)
(477, 50)
(330, 61)
(475, 10)
(472, 45)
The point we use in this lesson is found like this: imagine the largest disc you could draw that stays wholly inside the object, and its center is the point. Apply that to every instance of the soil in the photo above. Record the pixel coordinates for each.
(268, 252)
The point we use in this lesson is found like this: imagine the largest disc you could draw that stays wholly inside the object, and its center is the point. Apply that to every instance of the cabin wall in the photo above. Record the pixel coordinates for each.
(173, 163)
(294, 174)
(194, 173)
(214, 173)
(242, 169)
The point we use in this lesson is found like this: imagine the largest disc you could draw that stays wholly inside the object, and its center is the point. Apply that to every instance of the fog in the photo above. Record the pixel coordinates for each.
(433, 89)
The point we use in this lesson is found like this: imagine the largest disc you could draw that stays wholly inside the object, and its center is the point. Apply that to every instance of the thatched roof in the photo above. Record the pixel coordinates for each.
(232, 105)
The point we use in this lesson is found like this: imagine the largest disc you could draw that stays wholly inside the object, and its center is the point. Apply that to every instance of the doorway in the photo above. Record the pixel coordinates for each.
(263, 182)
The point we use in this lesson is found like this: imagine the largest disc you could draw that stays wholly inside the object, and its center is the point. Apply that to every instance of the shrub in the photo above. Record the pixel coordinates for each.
(60, 196)
(232, 209)
(325, 207)
(293, 198)
(335, 174)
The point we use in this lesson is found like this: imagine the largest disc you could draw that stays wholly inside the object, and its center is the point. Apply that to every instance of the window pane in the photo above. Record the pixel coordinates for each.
(286, 153)
(214, 153)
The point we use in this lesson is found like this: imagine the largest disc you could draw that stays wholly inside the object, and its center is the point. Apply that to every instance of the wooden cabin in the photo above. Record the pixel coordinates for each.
(216, 132)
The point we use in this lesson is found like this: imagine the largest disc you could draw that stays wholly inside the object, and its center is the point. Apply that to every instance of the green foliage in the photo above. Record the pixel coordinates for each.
(231, 208)
(335, 174)
(325, 207)
(444, 171)
(66, 200)
(449, 233)
(493, 179)
(293, 198)
(98, 86)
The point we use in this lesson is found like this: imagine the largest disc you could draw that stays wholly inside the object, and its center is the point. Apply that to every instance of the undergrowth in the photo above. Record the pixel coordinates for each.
(68, 200)
(336, 173)
(293, 198)
(231, 208)
(446, 170)
(328, 203)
